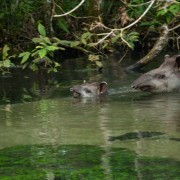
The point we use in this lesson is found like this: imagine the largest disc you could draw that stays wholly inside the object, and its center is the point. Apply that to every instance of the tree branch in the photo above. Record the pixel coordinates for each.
(172, 29)
(145, 12)
(122, 29)
(69, 12)
(137, 5)
(158, 46)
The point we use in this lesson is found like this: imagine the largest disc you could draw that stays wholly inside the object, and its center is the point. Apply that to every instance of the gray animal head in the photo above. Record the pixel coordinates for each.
(89, 89)
(166, 78)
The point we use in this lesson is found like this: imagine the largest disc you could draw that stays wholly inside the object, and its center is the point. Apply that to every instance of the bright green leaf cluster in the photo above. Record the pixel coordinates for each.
(169, 12)
(5, 62)
(42, 53)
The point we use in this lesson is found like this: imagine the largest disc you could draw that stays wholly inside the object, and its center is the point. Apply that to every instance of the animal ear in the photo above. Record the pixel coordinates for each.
(178, 62)
(103, 86)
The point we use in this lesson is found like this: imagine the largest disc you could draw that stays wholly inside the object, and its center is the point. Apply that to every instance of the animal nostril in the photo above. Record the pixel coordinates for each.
(134, 86)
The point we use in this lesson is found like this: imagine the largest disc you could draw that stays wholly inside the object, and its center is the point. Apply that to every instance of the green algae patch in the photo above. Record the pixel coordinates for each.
(40, 162)
(159, 168)
(82, 162)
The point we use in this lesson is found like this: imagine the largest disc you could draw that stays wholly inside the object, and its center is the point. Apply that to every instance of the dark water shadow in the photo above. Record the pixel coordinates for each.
(136, 135)
(175, 139)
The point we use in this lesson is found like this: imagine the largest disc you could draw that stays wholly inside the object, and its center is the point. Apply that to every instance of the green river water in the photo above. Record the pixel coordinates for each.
(46, 134)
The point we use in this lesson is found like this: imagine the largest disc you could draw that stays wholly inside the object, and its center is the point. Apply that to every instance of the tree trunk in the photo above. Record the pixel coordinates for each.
(95, 10)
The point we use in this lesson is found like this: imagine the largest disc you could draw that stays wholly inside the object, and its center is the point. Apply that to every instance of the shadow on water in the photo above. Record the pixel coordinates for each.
(175, 139)
(25, 87)
(136, 135)
(73, 162)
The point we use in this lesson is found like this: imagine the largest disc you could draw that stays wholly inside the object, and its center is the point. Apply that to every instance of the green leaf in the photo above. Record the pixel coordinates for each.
(37, 60)
(65, 42)
(25, 56)
(41, 30)
(43, 43)
(56, 39)
(52, 48)
(42, 53)
(47, 40)
(63, 25)
(174, 9)
(25, 96)
(55, 70)
(7, 63)
(39, 47)
(91, 44)
(41, 37)
(55, 44)
(162, 12)
(52, 70)
(36, 40)
(105, 45)
(13, 56)
(34, 67)
(5, 51)
(131, 44)
(99, 63)
(25, 66)
(61, 48)
(133, 36)
(84, 41)
(57, 64)
(85, 35)
(74, 43)
(1, 64)
(115, 38)
(35, 53)
(93, 57)
(149, 23)
(168, 18)
(82, 49)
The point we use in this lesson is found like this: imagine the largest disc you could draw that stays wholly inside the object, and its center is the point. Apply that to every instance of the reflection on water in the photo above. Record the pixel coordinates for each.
(136, 135)
(43, 129)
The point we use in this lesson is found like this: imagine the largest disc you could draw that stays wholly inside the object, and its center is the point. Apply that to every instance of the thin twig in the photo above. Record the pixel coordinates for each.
(123, 56)
(124, 39)
(122, 29)
(69, 12)
(174, 27)
(137, 5)
(145, 12)
(101, 40)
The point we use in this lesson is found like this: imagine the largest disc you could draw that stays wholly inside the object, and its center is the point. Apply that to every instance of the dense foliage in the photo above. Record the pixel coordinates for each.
(32, 31)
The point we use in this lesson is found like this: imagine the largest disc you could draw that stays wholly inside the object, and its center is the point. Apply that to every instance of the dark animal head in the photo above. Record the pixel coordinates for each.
(166, 78)
(89, 89)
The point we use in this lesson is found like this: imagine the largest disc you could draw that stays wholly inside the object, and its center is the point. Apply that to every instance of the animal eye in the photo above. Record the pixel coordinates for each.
(87, 90)
(160, 76)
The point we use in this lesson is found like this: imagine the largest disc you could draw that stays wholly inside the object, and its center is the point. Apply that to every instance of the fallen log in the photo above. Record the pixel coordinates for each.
(157, 48)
